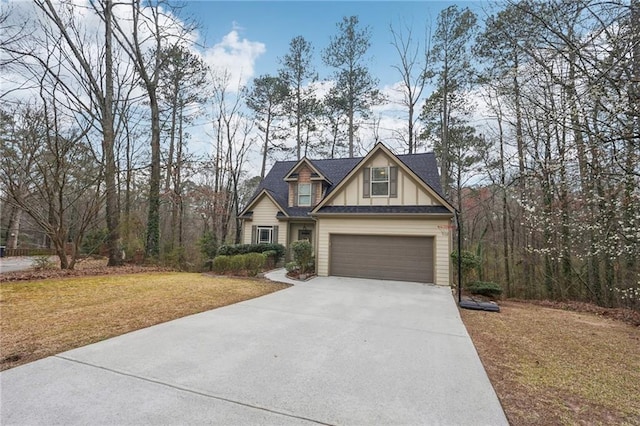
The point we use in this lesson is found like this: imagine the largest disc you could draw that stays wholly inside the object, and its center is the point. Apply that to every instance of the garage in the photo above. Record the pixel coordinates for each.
(400, 258)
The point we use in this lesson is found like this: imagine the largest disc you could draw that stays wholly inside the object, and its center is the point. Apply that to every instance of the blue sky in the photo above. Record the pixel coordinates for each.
(246, 38)
(275, 23)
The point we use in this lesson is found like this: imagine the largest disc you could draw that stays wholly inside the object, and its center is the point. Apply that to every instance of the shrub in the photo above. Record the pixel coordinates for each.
(221, 264)
(42, 263)
(253, 262)
(485, 288)
(93, 241)
(234, 249)
(271, 258)
(291, 266)
(279, 249)
(236, 264)
(302, 255)
(208, 245)
(469, 263)
(176, 259)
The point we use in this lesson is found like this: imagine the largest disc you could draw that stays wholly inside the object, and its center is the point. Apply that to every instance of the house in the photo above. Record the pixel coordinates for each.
(382, 216)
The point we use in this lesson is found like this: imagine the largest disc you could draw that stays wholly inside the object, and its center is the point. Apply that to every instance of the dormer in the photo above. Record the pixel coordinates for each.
(307, 185)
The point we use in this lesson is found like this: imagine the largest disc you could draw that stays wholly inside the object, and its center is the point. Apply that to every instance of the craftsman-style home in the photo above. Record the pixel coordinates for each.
(380, 216)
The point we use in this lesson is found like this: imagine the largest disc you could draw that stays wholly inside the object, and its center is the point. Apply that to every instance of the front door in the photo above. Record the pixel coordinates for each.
(304, 234)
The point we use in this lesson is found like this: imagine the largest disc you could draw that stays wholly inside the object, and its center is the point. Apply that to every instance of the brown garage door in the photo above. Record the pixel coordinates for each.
(382, 257)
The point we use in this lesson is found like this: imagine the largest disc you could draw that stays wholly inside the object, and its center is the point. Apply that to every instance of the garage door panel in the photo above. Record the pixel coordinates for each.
(403, 258)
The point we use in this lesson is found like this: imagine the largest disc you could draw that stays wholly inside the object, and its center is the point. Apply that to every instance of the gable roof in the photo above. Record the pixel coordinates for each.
(427, 174)
(318, 174)
(424, 165)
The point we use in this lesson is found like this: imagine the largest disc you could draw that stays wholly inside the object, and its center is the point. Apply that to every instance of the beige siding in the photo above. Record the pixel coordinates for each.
(387, 226)
(410, 191)
(264, 214)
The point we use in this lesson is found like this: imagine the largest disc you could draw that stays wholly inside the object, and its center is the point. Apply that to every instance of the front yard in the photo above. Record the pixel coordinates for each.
(548, 366)
(45, 317)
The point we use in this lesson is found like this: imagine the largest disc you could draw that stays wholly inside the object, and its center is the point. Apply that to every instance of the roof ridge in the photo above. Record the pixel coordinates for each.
(349, 158)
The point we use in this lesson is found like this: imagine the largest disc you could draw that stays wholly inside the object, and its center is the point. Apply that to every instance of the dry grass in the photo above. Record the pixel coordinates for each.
(550, 366)
(42, 318)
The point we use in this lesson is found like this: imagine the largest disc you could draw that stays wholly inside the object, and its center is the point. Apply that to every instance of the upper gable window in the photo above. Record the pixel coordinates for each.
(304, 194)
(380, 181)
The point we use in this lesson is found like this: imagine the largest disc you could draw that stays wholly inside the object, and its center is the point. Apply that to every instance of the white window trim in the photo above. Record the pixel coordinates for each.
(388, 182)
(304, 195)
(264, 228)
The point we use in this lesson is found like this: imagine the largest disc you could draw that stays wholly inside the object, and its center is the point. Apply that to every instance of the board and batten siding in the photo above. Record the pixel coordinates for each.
(437, 228)
(410, 192)
(264, 214)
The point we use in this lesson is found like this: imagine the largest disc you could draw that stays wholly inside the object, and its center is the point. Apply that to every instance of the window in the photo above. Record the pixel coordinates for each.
(380, 181)
(304, 194)
(265, 235)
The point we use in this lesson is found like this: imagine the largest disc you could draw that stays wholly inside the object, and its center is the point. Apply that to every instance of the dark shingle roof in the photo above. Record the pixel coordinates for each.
(423, 165)
(385, 209)
(426, 167)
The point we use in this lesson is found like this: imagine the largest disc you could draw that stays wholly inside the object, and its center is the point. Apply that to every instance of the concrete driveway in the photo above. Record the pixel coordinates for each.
(328, 351)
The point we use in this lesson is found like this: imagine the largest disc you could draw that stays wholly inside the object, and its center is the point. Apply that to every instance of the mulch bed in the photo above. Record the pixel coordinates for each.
(295, 275)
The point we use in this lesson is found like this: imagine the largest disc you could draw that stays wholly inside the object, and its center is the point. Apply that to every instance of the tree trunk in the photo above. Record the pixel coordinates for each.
(266, 144)
(505, 220)
(108, 142)
(14, 228)
(351, 113)
(152, 247)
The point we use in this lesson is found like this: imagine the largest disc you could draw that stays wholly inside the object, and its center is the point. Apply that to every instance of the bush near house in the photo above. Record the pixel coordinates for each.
(234, 249)
(221, 264)
(240, 264)
(271, 259)
(253, 263)
(291, 267)
(303, 262)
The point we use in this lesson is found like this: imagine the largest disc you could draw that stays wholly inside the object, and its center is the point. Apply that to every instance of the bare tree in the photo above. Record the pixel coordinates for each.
(51, 174)
(65, 46)
(413, 69)
(151, 31)
(232, 129)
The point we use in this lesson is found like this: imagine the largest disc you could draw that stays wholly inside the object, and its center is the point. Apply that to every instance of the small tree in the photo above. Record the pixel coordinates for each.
(303, 255)
(469, 264)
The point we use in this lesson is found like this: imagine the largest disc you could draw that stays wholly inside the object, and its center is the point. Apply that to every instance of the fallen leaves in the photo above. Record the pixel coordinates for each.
(552, 366)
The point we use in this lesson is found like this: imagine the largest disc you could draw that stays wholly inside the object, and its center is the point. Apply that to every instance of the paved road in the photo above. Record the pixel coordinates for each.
(328, 351)
(12, 264)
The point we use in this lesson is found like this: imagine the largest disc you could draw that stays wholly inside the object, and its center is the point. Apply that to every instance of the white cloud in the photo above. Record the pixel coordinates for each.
(236, 56)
